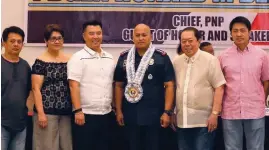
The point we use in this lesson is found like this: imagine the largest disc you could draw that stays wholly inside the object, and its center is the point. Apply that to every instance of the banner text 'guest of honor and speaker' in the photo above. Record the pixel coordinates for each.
(165, 17)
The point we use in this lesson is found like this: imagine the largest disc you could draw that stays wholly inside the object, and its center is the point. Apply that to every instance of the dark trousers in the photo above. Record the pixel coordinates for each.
(29, 133)
(219, 144)
(195, 139)
(143, 137)
(168, 139)
(94, 134)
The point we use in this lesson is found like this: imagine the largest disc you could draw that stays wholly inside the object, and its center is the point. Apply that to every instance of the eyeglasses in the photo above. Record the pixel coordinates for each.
(54, 39)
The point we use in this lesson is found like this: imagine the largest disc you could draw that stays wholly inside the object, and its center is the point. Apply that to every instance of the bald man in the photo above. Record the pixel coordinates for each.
(144, 91)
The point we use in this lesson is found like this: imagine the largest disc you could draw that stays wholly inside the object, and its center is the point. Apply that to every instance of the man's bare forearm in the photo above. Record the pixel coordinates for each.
(30, 102)
(169, 95)
(218, 95)
(75, 94)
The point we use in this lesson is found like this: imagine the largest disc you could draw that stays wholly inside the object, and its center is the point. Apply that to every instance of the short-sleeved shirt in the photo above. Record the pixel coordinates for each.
(244, 72)
(94, 72)
(15, 89)
(55, 89)
(151, 106)
(196, 79)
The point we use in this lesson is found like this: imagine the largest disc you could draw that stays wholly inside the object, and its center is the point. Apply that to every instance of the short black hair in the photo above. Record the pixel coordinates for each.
(52, 28)
(240, 19)
(179, 49)
(197, 33)
(12, 29)
(203, 44)
(91, 23)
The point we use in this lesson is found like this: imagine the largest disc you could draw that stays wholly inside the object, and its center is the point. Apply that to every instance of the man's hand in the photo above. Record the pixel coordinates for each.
(165, 120)
(119, 117)
(212, 122)
(79, 118)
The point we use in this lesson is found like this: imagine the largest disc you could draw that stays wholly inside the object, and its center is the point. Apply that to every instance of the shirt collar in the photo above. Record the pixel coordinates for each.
(247, 49)
(193, 58)
(94, 53)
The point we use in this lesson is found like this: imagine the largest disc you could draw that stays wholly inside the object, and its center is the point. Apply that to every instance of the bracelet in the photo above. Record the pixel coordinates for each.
(30, 113)
(77, 110)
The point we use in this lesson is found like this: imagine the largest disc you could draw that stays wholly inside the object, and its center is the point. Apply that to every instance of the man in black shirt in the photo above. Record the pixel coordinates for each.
(15, 88)
(144, 92)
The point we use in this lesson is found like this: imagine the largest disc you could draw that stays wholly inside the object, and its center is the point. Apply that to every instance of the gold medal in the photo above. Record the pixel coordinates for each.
(133, 93)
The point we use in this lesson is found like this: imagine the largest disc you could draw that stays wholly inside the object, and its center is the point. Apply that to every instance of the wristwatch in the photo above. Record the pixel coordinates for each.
(168, 112)
(77, 110)
(215, 112)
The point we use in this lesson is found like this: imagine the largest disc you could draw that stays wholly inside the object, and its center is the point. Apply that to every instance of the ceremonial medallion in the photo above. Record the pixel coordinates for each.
(133, 93)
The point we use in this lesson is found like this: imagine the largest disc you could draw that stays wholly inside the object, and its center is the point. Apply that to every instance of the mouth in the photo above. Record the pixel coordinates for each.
(95, 42)
(239, 39)
(141, 42)
(15, 49)
(187, 48)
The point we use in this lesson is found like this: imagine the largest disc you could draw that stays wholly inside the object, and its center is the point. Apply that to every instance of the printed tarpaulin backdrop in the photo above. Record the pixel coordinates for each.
(165, 17)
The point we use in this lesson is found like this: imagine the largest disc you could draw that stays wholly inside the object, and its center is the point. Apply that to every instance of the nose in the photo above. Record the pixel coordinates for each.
(16, 43)
(238, 33)
(57, 41)
(141, 38)
(95, 36)
(187, 43)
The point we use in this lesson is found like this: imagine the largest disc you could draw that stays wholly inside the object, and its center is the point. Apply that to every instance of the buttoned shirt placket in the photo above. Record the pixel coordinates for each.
(241, 55)
(101, 72)
(185, 92)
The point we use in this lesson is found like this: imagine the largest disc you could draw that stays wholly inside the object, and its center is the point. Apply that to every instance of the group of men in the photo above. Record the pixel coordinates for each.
(146, 88)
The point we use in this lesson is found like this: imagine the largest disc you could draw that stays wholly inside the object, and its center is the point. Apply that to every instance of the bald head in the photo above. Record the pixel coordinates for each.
(142, 27)
(142, 36)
